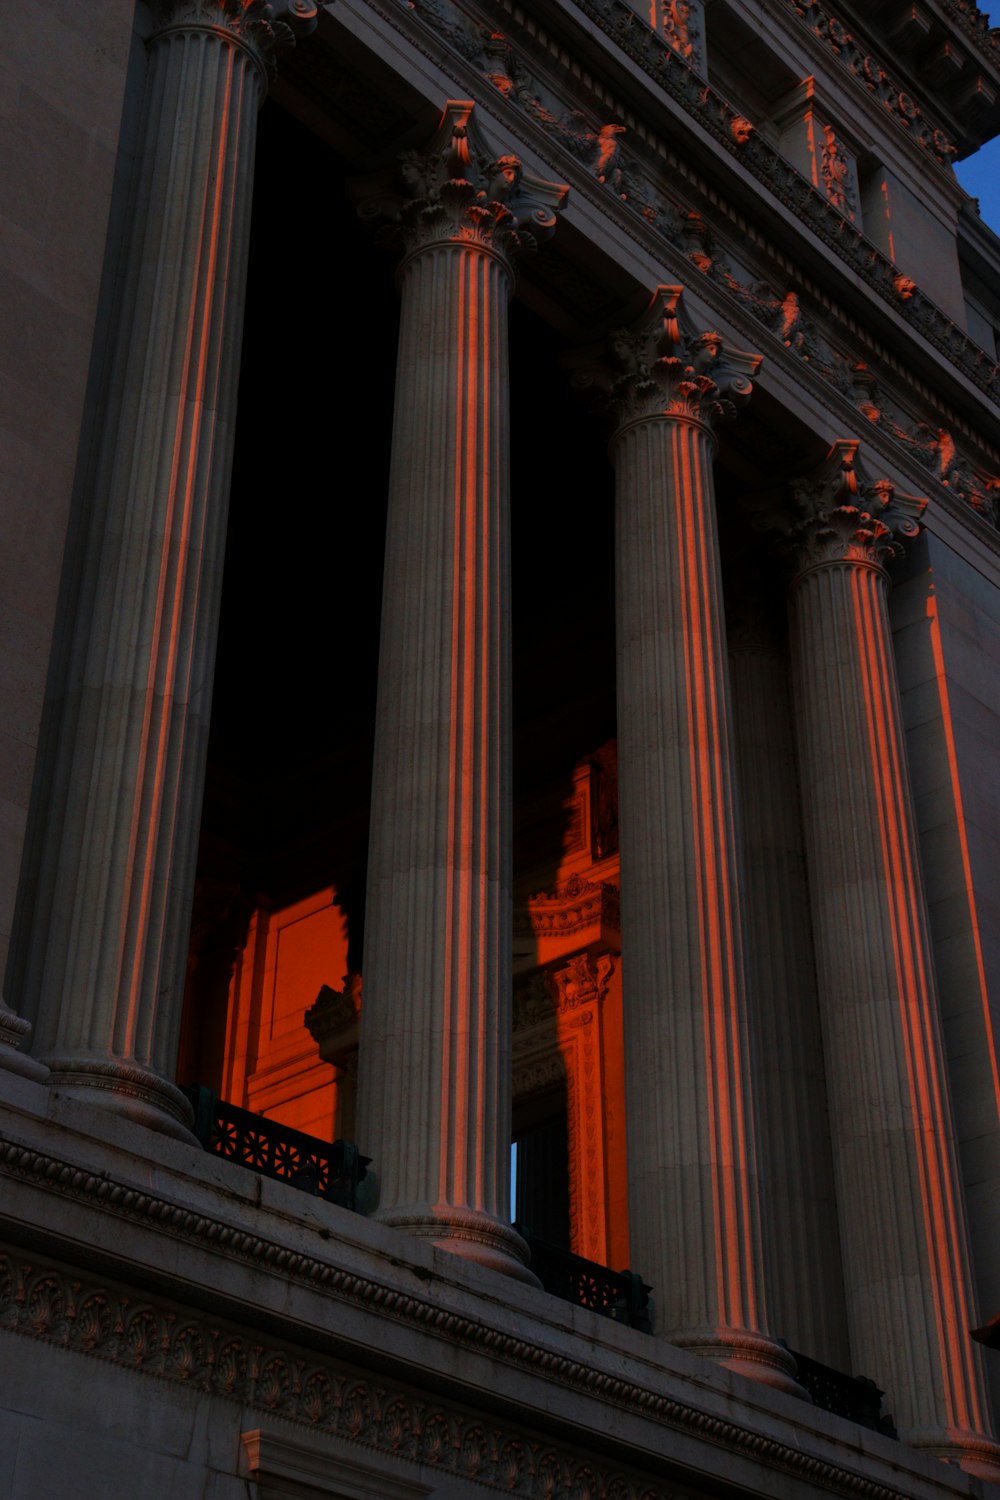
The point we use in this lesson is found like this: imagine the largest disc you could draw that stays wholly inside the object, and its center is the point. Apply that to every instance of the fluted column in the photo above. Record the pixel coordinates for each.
(801, 1242)
(104, 964)
(694, 1215)
(434, 1088)
(906, 1260)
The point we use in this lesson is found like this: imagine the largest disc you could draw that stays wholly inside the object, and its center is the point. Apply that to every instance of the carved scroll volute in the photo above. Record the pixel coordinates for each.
(264, 27)
(458, 190)
(840, 515)
(663, 366)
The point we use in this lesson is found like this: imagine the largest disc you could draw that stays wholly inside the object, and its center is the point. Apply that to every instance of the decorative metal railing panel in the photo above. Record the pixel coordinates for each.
(330, 1170)
(851, 1396)
(621, 1295)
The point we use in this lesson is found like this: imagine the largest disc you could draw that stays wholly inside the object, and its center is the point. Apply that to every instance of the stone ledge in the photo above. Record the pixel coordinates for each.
(206, 1234)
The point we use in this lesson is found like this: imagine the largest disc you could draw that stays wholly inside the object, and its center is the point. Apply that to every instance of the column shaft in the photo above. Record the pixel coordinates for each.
(434, 1085)
(906, 1266)
(801, 1242)
(438, 915)
(105, 962)
(693, 1187)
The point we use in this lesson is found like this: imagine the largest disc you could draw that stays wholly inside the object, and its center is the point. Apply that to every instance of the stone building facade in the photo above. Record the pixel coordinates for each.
(501, 599)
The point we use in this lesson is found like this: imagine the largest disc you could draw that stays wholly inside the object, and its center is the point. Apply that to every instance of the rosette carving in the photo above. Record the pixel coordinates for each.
(664, 367)
(457, 189)
(840, 515)
(266, 27)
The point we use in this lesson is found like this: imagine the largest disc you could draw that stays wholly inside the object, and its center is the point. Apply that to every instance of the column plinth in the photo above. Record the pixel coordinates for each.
(905, 1255)
(102, 968)
(694, 1212)
(434, 1087)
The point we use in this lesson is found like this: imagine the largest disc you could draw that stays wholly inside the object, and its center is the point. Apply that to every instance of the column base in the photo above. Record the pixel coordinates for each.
(464, 1231)
(15, 1032)
(746, 1353)
(127, 1089)
(971, 1451)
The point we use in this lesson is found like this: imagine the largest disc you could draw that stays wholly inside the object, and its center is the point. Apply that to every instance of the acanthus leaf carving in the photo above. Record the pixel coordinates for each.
(663, 367)
(265, 27)
(839, 515)
(457, 190)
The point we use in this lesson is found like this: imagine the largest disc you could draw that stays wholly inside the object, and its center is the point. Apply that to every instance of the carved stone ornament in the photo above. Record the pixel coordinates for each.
(663, 367)
(333, 1020)
(458, 190)
(871, 75)
(679, 24)
(841, 516)
(265, 27)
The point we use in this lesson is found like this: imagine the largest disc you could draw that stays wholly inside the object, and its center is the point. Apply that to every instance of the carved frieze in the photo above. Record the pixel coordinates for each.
(680, 24)
(871, 75)
(837, 173)
(83, 1312)
(173, 1343)
(759, 157)
(780, 309)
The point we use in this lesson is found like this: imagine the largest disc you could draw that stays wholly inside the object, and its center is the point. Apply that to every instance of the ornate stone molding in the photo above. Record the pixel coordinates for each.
(458, 190)
(756, 155)
(131, 1090)
(870, 73)
(780, 307)
(842, 516)
(976, 25)
(155, 1337)
(333, 1018)
(546, 993)
(15, 1033)
(663, 367)
(682, 26)
(573, 904)
(264, 27)
(90, 1316)
(104, 1338)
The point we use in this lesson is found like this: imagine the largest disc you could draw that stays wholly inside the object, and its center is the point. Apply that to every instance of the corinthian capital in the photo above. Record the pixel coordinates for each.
(459, 190)
(840, 515)
(663, 366)
(264, 27)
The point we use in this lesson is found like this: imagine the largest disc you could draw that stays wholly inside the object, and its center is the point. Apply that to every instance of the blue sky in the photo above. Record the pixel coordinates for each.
(980, 174)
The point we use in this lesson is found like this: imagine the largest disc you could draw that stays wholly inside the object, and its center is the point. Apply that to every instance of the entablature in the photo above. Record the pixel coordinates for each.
(946, 49)
(667, 176)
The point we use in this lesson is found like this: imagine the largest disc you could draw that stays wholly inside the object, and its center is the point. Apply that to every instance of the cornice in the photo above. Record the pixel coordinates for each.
(872, 78)
(616, 182)
(757, 157)
(574, 904)
(975, 27)
(87, 1315)
(77, 1311)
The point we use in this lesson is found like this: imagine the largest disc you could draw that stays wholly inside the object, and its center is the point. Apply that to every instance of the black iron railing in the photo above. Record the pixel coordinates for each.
(622, 1295)
(851, 1396)
(324, 1169)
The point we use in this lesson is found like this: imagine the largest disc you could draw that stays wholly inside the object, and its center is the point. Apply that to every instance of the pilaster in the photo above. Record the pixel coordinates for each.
(434, 1090)
(694, 1210)
(905, 1253)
